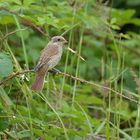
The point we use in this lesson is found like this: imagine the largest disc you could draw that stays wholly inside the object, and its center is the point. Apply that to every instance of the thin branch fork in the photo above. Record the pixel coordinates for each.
(26, 22)
(13, 32)
(2, 82)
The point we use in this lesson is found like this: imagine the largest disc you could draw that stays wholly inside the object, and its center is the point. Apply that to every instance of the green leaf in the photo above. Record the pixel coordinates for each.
(135, 21)
(18, 2)
(6, 18)
(115, 27)
(6, 66)
(123, 16)
(28, 2)
(4, 98)
(113, 20)
(89, 99)
(133, 2)
(3, 120)
(23, 134)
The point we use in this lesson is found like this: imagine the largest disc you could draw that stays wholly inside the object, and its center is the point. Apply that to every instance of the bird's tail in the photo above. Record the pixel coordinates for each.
(39, 82)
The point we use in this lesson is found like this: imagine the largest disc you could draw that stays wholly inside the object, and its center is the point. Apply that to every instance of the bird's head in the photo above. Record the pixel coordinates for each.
(59, 40)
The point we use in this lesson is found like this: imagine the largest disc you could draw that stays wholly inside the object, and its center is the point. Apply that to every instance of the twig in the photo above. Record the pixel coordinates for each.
(72, 77)
(10, 135)
(97, 85)
(26, 21)
(29, 23)
(71, 50)
(13, 32)
(2, 82)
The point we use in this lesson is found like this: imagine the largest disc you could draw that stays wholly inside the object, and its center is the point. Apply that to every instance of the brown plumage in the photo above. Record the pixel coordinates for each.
(50, 57)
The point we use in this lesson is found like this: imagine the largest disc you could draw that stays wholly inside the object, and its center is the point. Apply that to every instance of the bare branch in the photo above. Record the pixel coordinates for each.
(13, 32)
(99, 86)
(2, 82)
(74, 78)
(26, 22)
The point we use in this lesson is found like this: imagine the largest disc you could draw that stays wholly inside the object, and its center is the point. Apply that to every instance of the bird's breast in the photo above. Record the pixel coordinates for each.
(56, 58)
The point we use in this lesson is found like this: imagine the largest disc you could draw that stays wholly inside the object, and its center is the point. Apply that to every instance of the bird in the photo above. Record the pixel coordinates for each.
(49, 58)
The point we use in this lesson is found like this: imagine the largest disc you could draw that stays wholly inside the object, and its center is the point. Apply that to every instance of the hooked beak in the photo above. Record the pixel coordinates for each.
(65, 41)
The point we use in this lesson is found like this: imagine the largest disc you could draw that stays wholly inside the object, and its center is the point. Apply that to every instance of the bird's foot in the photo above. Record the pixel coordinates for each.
(54, 71)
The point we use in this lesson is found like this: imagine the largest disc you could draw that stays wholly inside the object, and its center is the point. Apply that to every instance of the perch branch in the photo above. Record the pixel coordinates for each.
(72, 77)
(2, 82)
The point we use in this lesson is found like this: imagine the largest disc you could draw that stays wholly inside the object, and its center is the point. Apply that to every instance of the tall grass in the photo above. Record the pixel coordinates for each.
(41, 116)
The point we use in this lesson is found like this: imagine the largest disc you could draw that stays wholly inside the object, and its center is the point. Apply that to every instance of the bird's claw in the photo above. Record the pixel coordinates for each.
(54, 71)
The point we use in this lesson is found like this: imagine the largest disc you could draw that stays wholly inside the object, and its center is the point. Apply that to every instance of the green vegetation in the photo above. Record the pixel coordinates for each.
(98, 98)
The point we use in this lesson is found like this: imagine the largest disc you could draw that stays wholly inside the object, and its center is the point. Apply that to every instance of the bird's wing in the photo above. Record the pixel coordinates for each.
(46, 55)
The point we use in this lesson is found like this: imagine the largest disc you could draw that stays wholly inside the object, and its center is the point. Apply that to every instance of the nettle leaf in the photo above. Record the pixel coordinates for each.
(6, 66)
(123, 16)
(18, 2)
(6, 18)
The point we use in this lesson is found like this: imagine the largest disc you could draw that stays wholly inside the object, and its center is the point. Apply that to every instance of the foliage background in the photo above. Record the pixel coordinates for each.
(106, 35)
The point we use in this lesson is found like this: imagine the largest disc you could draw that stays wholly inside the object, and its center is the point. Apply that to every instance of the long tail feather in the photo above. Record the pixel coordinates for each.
(39, 82)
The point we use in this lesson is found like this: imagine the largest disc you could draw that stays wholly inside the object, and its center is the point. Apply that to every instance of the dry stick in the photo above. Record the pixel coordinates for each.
(13, 32)
(14, 75)
(67, 75)
(72, 77)
(97, 85)
(25, 21)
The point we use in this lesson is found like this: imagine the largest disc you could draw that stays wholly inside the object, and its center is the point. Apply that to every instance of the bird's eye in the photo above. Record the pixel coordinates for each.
(58, 39)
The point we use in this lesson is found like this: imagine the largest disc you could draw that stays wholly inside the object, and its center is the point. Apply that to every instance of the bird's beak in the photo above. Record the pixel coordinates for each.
(65, 41)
